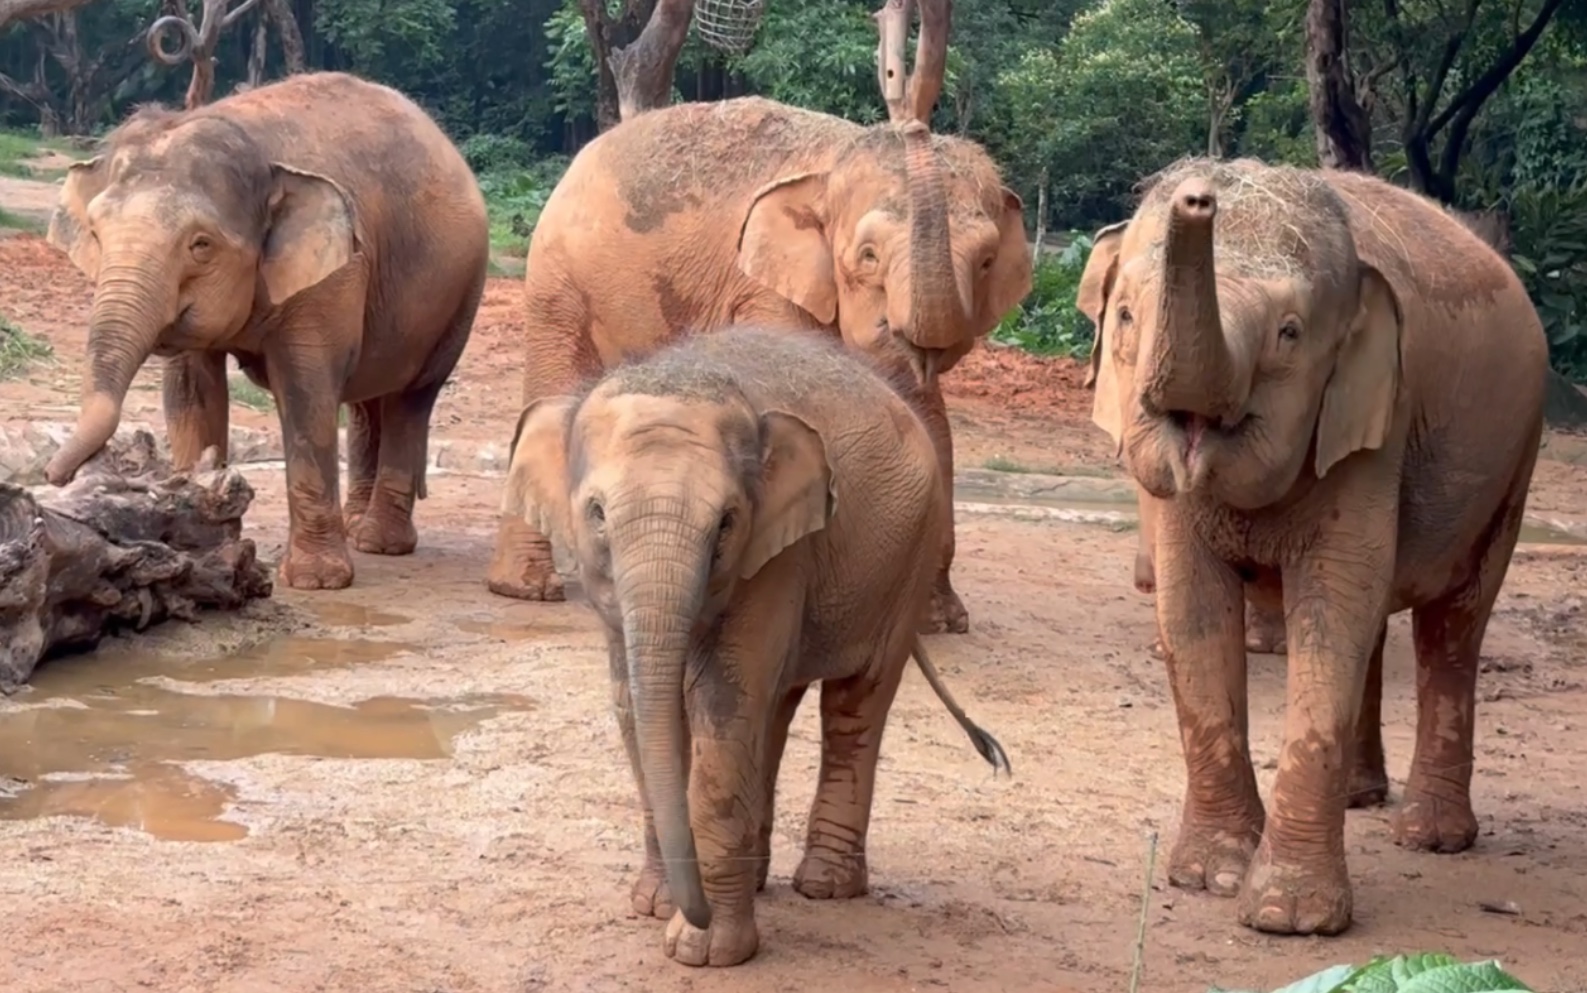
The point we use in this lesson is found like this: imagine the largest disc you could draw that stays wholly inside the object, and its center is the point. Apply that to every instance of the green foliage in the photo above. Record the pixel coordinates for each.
(18, 350)
(820, 54)
(514, 196)
(1426, 973)
(246, 392)
(1047, 321)
(1550, 255)
(16, 146)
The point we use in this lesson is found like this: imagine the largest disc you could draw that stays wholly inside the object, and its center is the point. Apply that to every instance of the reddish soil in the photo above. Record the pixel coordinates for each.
(504, 865)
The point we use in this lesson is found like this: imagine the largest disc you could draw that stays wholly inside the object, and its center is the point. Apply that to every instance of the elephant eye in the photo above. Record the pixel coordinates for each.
(986, 264)
(868, 256)
(1289, 330)
(723, 529)
(597, 513)
(1124, 315)
(202, 247)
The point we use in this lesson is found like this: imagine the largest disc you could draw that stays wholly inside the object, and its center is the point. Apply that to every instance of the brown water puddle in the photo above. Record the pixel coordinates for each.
(109, 743)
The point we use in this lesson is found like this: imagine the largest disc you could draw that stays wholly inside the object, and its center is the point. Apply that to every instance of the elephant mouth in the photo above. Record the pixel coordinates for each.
(923, 362)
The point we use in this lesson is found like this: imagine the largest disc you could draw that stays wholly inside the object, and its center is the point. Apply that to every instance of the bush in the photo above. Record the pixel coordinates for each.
(515, 196)
(1549, 230)
(1047, 321)
(496, 153)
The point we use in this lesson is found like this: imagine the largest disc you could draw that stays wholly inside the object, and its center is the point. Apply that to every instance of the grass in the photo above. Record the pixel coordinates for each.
(17, 222)
(19, 350)
(16, 146)
(243, 391)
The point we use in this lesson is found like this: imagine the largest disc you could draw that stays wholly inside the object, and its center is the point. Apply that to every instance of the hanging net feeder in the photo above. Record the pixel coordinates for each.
(728, 25)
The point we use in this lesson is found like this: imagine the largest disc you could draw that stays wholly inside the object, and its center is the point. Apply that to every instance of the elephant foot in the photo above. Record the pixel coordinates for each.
(1428, 823)
(650, 894)
(946, 613)
(1213, 857)
(383, 534)
(317, 569)
(827, 875)
(1369, 784)
(1266, 641)
(728, 941)
(1295, 898)
(525, 578)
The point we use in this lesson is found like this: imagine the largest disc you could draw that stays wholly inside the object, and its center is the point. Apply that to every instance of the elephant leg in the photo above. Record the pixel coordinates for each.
(316, 556)
(1336, 602)
(947, 611)
(1436, 814)
(197, 406)
(1369, 774)
(776, 742)
(853, 717)
(559, 354)
(363, 459)
(1200, 620)
(386, 526)
(649, 894)
(1264, 618)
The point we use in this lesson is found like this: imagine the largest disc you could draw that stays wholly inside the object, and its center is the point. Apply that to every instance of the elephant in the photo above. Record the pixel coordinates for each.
(751, 511)
(1264, 614)
(328, 235)
(696, 216)
(1334, 389)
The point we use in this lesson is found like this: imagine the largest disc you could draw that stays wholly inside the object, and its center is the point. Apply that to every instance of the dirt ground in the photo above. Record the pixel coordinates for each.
(413, 785)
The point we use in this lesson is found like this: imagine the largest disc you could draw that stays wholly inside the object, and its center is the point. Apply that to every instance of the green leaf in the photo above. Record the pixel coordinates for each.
(1480, 977)
(1387, 975)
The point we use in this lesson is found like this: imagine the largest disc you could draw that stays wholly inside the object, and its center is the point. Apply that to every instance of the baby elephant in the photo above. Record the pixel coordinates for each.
(751, 511)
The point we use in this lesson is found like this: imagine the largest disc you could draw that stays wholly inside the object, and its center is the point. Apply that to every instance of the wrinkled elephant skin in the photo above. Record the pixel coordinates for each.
(323, 231)
(693, 217)
(1337, 411)
(751, 511)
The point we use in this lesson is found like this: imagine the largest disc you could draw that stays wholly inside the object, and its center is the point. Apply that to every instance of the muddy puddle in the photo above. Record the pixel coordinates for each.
(93, 738)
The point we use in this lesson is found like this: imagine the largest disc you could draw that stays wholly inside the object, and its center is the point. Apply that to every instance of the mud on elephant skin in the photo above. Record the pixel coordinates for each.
(750, 512)
(325, 232)
(692, 217)
(1304, 367)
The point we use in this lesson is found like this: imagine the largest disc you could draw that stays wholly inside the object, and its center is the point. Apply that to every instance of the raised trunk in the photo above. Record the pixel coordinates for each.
(936, 313)
(1190, 370)
(130, 309)
(660, 573)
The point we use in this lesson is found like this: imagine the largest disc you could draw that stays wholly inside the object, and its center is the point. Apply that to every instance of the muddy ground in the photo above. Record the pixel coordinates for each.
(413, 785)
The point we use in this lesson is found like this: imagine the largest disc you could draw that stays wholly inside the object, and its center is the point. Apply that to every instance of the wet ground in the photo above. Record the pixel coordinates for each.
(413, 785)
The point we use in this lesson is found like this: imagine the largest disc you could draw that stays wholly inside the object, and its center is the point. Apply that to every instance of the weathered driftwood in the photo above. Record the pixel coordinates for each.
(128, 543)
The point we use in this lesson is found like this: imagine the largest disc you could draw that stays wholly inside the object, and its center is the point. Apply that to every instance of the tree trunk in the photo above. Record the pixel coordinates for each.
(1343, 126)
(643, 71)
(256, 55)
(1041, 218)
(279, 12)
(129, 544)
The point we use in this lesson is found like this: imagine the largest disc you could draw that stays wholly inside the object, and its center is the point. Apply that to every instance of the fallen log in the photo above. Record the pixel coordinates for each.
(127, 544)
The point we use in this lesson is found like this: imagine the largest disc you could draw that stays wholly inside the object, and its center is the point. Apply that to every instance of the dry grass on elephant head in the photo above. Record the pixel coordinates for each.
(1272, 221)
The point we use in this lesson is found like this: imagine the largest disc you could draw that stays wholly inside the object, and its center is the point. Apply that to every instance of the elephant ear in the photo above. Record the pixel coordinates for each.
(537, 473)
(311, 232)
(1096, 285)
(783, 245)
(1009, 279)
(68, 229)
(797, 496)
(1359, 401)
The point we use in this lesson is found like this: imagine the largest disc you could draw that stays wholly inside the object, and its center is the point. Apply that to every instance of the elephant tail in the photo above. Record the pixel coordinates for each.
(984, 743)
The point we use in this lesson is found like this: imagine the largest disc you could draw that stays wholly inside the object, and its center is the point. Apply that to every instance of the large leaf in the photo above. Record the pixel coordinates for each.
(1321, 982)
(1479, 977)
(1388, 975)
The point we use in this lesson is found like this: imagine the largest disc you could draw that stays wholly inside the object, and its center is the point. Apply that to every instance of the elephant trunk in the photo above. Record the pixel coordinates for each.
(936, 313)
(1191, 369)
(132, 305)
(661, 559)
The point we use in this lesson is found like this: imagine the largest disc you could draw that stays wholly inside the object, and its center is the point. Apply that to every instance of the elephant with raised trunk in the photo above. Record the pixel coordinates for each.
(701, 215)
(325, 232)
(752, 511)
(1334, 389)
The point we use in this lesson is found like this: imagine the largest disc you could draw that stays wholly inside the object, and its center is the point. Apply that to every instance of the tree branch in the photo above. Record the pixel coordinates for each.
(1474, 96)
(12, 11)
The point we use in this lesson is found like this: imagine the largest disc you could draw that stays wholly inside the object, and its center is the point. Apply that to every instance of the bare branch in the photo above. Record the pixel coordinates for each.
(12, 11)
(892, 26)
(643, 70)
(912, 99)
